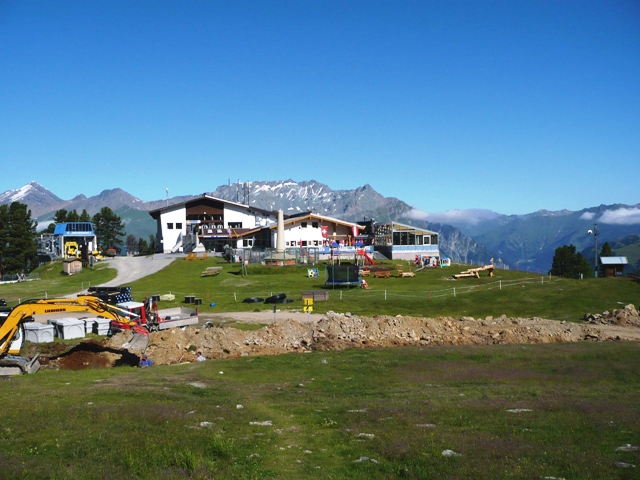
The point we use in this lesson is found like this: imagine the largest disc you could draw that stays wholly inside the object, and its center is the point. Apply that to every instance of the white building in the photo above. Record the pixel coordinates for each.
(210, 224)
(206, 223)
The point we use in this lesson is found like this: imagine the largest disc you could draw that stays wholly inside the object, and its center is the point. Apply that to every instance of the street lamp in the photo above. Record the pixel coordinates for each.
(594, 232)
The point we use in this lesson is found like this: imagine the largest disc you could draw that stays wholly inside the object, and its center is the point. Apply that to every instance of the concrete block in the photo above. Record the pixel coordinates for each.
(68, 328)
(89, 324)
(38, 333)
(101, 326)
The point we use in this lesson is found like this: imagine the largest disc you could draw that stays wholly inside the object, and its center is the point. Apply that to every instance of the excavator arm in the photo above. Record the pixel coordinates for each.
(12, 326)
(11, 341)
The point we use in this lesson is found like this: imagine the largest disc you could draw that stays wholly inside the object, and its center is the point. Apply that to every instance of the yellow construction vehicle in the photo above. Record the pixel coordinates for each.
(97, 254)
(12, 327)
(71, 249)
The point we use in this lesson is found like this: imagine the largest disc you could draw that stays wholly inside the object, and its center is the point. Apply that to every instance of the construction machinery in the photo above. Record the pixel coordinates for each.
(12, 322)
(146, 313)
(71, 249)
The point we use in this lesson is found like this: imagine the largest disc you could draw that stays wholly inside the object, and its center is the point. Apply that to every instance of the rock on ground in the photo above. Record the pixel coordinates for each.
(335, 331)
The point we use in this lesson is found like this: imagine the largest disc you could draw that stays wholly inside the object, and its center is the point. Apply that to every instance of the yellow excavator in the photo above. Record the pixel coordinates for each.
(12, 322)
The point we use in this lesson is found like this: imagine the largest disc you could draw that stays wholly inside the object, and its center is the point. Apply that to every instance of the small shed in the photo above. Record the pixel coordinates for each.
(72, 265)
(613, 266)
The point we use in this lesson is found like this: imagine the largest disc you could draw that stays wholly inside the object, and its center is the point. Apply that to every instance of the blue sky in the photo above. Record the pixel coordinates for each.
(511, 106)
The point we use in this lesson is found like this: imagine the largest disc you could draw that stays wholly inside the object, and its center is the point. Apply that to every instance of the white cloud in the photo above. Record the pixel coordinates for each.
(587, 216)
(44, 225)
(622, 216)
(472, 216)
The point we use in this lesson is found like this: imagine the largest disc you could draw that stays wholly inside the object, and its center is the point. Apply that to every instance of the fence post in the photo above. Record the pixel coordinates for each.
(500, 284)
(385, 294)
(234, 297)
(454, 291)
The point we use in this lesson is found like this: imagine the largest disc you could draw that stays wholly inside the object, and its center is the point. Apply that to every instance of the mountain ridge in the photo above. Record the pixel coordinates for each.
(469, 236)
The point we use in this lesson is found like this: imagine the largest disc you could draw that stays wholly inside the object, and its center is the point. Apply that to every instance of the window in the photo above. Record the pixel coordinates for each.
(434, 239)
(235, 224)
(303, 224)
(293, 243)
(287, 243)
(427, 239)
(247, 242)
(314, 224)
(179, 226)
(170, 226)
(303, 243)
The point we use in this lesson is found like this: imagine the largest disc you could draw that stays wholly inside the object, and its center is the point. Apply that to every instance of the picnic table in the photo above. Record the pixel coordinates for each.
(382, 274)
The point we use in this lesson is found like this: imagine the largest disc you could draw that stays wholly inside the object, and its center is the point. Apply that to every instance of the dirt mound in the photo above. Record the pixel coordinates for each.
(624, 317)
(336, 331)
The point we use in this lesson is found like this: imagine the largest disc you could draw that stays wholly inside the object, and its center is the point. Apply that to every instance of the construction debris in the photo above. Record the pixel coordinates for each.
(625, 317)
(337, 331)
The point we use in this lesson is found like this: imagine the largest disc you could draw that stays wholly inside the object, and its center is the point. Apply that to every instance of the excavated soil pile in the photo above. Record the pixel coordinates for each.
(625, 317)
(338, 331)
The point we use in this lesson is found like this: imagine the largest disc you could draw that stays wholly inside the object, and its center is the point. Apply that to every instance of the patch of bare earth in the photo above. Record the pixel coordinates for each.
(335, 331)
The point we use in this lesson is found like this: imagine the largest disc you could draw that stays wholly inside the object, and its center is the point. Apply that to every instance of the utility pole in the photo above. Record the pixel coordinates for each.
(594, 232)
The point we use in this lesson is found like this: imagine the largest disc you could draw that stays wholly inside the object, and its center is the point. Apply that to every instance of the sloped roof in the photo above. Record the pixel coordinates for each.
(299, 218)
(155, 213)
(74, 229)
(614, 261)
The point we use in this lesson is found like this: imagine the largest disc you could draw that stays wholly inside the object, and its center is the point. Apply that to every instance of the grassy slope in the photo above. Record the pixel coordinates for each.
(129, 423)
(429, 293)
(400, 407)
(54, 283)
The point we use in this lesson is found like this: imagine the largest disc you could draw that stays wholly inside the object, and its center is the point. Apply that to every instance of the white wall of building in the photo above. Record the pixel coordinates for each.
(296, 234)
(177, 218)
(239, 215)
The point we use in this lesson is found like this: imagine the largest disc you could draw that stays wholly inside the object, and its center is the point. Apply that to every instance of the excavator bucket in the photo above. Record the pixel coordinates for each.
(14, 365)
(139, 340)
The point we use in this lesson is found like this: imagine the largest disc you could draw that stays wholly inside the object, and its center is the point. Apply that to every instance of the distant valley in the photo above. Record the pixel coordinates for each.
(525, 242)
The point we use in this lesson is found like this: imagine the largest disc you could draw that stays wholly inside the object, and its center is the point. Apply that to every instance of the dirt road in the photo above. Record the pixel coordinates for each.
(134, 268)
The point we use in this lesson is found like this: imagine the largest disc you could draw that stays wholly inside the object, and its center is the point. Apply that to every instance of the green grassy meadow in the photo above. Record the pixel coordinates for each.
(505, 411)
(430, 293)
(53, 283)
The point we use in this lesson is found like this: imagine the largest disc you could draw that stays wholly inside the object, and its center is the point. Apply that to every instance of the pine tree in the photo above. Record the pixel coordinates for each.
(569, 264)
(606, 251)
(18, 250)
(132, 244)
(109, 228)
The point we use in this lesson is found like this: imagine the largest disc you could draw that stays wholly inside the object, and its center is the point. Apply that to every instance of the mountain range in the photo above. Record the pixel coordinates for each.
(525, 242)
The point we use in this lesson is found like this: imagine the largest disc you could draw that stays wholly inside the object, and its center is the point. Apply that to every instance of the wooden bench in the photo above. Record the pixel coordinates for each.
(191, 256)
(365, 272)
(316, 295)
(402, 273)
(211, 271)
